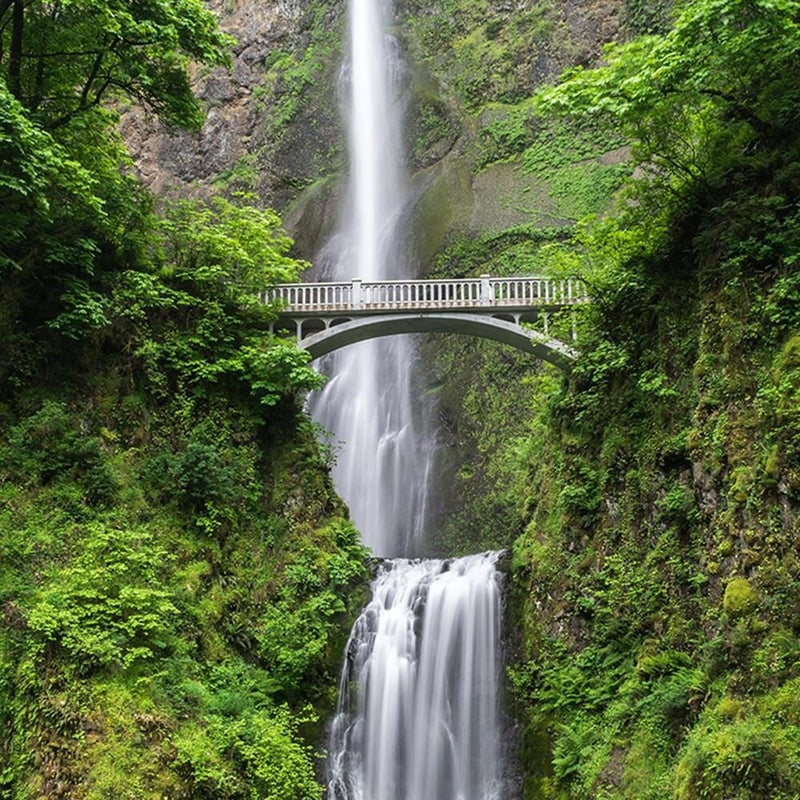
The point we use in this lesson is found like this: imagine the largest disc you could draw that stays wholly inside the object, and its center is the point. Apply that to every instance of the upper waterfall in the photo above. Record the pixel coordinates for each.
(384, 462)
(377, 178)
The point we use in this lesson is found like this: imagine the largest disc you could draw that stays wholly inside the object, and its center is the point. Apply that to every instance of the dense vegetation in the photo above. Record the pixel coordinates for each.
(653, 493)
(173, 559)
(656, 579)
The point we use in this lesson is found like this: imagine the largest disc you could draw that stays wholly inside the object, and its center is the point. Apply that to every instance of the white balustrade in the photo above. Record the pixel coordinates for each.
(478, 293)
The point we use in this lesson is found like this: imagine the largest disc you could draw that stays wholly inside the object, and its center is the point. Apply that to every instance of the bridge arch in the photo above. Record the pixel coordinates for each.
(359, 329)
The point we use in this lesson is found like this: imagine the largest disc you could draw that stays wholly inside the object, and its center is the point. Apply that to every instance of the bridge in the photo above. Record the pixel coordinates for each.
(327, 316)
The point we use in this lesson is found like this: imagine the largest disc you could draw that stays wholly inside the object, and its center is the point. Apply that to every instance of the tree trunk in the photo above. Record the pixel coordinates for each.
(15, 51)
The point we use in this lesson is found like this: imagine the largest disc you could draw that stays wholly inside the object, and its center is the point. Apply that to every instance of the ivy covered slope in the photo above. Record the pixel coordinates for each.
(657, 578)
(176, 571)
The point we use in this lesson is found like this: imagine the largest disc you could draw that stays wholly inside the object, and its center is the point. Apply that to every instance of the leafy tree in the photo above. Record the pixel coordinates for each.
(198, 321)
(39, 181)
(719, 86)
(61, 59)
(70, 206)
(83, 250)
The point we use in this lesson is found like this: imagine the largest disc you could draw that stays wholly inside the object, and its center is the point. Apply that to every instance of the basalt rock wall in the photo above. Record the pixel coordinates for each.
(273, 126)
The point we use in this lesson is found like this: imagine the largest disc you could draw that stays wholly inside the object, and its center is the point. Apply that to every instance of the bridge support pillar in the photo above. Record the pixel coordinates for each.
(355, 293)
(486, 290)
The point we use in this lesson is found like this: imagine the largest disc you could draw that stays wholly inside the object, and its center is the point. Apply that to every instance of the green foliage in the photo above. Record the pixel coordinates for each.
(484, 52)
(70, 209)
(183, 628)
(152, 451)
(213, 486)
(692, 99)
(745, 750)
(740, 598)
(39, 183)
(63, 64)
(108, 608)
(639, 532)
(49, 446)
(656, 476)
(226, 245)
(264, 742)
(199, 322)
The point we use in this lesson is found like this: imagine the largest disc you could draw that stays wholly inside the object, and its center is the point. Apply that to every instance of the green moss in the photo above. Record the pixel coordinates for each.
(537, 751)
(730, 708)
(789, 357)
(298, 130)
(740, 598)
(772, 465)
(753, 749)
(726, 547)
(243, 176)
(741, 481)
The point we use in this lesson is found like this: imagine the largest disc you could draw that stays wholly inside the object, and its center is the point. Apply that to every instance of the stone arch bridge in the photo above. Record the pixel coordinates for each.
(327, 316)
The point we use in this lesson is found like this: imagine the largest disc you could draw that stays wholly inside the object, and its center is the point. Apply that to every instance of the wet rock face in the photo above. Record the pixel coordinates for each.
(237, 147)
(273, 124)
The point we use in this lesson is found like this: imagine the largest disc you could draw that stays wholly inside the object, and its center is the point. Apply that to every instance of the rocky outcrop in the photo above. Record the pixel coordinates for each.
(259, 135)
(273, 124)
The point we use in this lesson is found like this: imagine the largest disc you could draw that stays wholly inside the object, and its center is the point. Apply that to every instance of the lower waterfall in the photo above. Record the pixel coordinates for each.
(418, 701)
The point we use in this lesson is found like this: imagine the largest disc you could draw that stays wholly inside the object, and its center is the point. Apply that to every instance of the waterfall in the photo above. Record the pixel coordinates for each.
(417, 716)
(383, 467)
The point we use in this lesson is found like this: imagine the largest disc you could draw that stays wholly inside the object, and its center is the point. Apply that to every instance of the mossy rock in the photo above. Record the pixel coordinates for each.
(772, 467)
(740, 598)
(790, 354)
(730, 709)
(741, 484)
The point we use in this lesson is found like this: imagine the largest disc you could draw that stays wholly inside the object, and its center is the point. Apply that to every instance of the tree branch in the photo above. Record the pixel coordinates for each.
(15, 51)
(743, 112)
(64, 53)
(38, 84)
(84, 105)
(87, 87)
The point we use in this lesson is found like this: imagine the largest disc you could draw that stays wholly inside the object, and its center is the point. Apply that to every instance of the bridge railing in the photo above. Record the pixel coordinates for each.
(483, 292)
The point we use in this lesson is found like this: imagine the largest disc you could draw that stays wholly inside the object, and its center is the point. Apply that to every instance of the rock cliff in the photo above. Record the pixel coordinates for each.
(274, 129)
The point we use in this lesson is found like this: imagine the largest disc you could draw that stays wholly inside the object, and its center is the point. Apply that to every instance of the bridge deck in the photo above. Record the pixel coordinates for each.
(484, 294)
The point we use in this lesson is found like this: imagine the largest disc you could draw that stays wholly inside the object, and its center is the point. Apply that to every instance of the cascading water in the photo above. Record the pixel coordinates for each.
(417, 717)
(382, 470)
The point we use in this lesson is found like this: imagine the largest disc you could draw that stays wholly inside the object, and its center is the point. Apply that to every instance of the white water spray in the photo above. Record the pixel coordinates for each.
(383, 467)
(417, 717)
